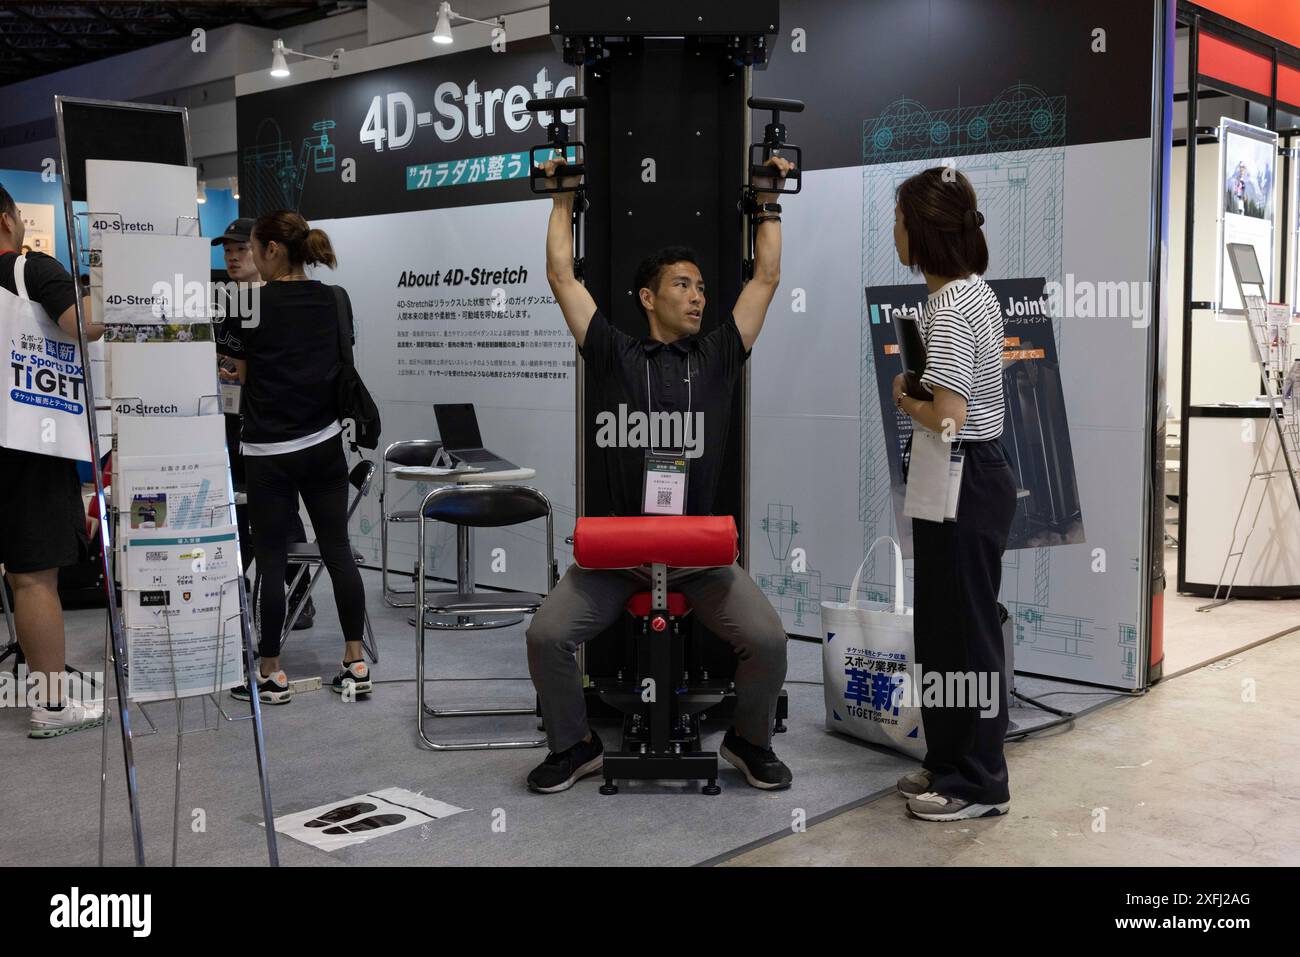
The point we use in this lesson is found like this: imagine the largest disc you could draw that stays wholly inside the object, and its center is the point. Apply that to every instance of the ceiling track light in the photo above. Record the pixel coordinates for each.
(280, 66)
(442, 30)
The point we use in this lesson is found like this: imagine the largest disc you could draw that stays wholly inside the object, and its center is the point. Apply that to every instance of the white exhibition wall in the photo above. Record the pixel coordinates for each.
(817, 480)
(1067, 197)
(527, 420)
(1222, 368)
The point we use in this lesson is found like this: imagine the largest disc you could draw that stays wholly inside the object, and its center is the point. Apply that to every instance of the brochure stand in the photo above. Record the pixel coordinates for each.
(144, 133)
(1283, 398)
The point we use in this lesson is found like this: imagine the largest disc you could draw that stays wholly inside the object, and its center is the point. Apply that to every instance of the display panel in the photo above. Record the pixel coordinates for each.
(1247, 186)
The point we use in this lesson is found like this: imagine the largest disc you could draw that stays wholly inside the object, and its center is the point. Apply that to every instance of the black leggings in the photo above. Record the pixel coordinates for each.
(320, 475)
(297, 533)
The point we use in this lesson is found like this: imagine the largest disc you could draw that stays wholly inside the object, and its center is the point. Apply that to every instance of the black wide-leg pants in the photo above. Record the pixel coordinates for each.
(958, 628)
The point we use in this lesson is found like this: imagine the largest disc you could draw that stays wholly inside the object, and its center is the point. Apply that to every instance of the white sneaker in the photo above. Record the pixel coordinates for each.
(932, 806)
(73, 716)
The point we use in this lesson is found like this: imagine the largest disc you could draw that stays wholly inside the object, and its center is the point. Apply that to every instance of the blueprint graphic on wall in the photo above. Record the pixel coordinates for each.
(1020, 192)
(821, 458)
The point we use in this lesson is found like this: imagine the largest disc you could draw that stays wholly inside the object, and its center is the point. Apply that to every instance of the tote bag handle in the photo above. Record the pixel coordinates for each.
(899, 608)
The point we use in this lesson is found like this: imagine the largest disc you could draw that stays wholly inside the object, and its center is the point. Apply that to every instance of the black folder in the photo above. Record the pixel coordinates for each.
(911, 349)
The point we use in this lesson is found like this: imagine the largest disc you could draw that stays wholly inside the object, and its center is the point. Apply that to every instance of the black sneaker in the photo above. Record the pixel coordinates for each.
(559, 772)
(356, 674)
(273, 689)
(761, 767)
(306, 618)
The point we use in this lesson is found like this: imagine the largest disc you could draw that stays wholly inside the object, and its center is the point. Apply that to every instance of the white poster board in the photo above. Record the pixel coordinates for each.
(155, 279)
(134, 199)
(163, 378)
(1247, 193)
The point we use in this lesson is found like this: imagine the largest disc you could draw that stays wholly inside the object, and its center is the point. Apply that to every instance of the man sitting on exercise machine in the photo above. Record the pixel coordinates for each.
(674, 370)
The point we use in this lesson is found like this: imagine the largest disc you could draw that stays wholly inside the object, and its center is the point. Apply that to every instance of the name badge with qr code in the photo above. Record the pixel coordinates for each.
(664, 485)
(230, 398)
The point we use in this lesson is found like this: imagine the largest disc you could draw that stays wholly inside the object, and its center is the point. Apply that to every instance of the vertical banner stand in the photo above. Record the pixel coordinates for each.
(108, 130)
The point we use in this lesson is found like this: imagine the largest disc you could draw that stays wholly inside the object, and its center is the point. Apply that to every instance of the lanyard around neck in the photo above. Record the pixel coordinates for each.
(649, 400)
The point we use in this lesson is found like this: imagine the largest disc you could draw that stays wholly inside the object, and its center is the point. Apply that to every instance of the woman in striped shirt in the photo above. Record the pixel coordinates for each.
(958, 563)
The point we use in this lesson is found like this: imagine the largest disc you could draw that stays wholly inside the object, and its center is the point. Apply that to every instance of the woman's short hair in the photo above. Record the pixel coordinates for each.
(944, 237)
(306, 246)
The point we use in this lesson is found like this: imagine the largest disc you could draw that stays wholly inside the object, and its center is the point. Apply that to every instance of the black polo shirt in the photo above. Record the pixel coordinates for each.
(617, 365)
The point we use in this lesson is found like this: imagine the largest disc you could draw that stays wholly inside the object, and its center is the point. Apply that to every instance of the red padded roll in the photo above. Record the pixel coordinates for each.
(678, 541)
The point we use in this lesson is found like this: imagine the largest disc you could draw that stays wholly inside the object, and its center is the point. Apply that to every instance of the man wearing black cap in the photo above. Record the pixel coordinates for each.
(240, 267)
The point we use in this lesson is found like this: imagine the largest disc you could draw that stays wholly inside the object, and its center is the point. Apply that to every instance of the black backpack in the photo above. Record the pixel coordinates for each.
(355, 403)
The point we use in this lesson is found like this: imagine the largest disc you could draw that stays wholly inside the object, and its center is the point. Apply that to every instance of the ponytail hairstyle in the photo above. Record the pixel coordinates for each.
(944, 237)
(306, 246)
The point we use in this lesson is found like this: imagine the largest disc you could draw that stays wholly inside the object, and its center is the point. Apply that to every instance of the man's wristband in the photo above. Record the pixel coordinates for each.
(772, 218)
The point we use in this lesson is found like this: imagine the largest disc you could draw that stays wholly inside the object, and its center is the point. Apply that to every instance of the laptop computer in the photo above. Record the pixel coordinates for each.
(458, 429)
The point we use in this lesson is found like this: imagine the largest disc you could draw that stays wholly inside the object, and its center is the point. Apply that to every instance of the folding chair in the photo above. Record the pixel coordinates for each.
(306, 555)
(479, 505)
(419, 452)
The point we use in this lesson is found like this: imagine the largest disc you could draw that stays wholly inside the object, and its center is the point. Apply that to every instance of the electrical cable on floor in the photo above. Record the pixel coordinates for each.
(1109, 694)
(1038, 704)
(396, 681)
(1026, 732)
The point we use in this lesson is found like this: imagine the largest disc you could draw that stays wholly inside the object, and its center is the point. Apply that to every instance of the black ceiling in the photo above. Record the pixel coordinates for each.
(39, 38)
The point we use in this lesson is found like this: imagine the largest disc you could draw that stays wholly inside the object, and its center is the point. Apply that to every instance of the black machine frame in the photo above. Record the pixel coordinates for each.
(668, 83)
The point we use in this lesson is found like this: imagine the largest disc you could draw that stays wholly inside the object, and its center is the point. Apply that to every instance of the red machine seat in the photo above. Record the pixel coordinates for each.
(638, 606)
(678, 541)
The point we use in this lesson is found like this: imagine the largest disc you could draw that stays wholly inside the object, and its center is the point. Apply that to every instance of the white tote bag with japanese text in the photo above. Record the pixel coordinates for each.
(868, 654)
(43, 408)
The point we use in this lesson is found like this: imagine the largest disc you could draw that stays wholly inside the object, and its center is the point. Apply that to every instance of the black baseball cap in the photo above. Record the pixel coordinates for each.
(239, 231)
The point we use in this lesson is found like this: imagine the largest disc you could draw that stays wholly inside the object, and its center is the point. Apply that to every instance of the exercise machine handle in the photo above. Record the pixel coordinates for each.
(555, 103)
(557, 144)
(776, 104)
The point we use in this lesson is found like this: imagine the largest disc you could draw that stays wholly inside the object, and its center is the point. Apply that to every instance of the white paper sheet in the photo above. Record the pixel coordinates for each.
(156, 279)
(364, 818)
(129, 198)
(164, 378)
(183, 642)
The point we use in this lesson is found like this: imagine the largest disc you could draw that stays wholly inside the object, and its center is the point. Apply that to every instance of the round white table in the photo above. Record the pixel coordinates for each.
(464, 537)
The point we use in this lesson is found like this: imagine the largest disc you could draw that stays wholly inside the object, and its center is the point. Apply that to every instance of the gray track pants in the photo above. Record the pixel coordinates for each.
(587, 601)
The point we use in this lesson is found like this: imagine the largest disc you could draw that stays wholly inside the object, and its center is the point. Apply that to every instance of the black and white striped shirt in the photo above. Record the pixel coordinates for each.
(963, 328)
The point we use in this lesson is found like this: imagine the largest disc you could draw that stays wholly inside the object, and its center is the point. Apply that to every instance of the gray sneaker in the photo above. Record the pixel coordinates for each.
(931, 806)
(915, 782)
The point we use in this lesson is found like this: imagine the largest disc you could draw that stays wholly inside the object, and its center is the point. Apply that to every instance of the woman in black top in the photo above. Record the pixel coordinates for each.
(289, 362)
(958, 562)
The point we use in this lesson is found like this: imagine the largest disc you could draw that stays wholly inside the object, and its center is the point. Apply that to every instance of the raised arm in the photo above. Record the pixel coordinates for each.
(575, 302)
(751, 307)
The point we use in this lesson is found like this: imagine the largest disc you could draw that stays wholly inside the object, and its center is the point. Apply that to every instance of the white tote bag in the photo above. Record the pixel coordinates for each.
(43, 408)
(868, 653)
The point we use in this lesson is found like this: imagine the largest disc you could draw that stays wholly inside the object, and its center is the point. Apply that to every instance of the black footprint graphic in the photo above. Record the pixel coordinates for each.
(368, 824)
(343, 813)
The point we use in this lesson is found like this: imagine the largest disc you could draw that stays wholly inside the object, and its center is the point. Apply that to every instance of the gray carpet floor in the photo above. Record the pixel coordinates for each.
(321, 749)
